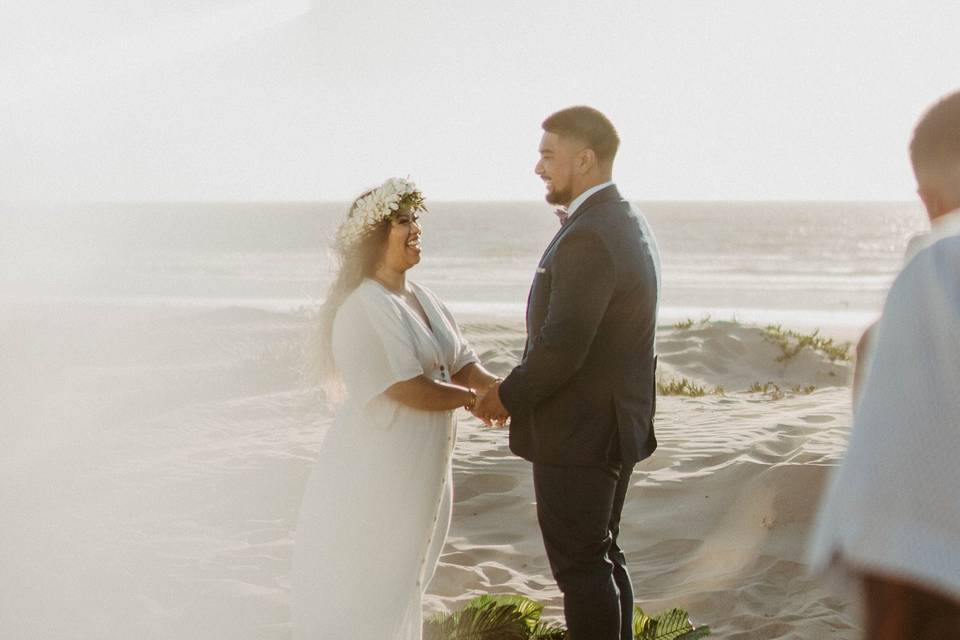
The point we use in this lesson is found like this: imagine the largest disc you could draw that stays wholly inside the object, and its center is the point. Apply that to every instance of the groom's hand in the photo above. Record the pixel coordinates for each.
(490, 409)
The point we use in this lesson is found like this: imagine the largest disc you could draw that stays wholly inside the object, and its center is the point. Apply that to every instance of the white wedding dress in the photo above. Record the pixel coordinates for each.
(377, 506)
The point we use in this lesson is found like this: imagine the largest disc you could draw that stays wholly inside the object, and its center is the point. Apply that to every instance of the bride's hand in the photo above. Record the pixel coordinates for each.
(473, 408)
(490, 409)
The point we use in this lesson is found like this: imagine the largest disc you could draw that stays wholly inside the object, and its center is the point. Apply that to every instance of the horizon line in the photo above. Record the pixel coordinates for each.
(138, 202)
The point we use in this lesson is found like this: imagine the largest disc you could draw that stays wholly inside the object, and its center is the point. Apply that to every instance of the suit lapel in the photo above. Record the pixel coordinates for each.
(607, 194)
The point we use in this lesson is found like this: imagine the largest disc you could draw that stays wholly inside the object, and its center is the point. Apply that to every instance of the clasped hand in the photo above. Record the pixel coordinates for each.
(490, 409)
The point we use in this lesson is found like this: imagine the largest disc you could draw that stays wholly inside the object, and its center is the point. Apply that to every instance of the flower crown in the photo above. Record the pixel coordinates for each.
(378, 205)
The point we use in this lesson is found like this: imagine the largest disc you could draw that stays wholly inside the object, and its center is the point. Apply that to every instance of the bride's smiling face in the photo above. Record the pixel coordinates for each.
(403, 243)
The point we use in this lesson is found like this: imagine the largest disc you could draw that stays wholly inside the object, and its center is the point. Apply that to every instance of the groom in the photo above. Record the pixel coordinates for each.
(582, 400)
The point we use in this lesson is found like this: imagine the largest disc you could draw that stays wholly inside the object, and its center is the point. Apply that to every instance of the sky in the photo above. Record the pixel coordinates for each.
(291, 100)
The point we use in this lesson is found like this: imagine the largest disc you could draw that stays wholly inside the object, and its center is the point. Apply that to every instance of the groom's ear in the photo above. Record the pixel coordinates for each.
(586, 160)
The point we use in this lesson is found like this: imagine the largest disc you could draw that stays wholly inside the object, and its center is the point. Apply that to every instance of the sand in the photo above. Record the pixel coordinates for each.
(715, 521)
(152, 466)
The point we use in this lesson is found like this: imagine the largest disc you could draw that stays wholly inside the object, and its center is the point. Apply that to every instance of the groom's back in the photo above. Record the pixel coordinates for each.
(624, 347)
(629, 323)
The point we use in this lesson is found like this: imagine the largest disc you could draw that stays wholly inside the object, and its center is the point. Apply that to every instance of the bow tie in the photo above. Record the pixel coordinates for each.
(562, 214)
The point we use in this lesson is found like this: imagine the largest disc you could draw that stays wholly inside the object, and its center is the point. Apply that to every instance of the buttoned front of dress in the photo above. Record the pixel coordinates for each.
(377, 506)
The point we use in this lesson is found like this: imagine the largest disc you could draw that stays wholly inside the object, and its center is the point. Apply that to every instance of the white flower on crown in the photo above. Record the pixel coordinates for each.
(376, 206)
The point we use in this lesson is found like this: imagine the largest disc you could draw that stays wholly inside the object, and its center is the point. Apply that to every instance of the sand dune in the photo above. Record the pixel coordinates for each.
(735, 356)
(715, 521)
(162, 497)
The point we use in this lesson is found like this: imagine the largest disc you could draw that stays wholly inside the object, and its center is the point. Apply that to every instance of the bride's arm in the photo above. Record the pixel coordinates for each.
(430, 395)
(474, 376)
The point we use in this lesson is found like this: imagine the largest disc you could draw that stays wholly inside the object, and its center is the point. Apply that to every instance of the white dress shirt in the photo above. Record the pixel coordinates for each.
(580, 199)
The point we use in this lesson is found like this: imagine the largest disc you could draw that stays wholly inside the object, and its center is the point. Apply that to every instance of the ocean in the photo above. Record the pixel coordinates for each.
(808, 263)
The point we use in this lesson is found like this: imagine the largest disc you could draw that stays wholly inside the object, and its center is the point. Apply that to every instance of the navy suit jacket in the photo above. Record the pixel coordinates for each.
(585, 390)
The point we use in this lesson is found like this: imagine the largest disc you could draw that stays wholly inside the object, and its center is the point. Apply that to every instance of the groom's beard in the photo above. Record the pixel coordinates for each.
(559, 197)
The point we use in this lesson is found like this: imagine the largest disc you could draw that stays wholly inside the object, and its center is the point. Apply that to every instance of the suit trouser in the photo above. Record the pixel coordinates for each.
(579, 513)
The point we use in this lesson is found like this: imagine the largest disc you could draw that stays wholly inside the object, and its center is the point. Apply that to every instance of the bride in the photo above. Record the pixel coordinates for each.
(377, 507)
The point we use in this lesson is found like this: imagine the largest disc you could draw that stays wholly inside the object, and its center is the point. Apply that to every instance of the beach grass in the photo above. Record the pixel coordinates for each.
(793, 342)
(775, 392)
(685, 387)
(689, 322)
(770, 389)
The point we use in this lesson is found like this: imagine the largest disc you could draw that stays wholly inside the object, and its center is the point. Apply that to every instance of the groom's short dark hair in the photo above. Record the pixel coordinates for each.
(936, 140)
(587, 125)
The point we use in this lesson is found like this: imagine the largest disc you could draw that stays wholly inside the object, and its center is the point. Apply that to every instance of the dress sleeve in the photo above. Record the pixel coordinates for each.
(372, 347)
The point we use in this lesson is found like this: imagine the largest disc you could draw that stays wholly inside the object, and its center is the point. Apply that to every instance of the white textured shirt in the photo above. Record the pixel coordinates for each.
(893, 506)
(940, 227)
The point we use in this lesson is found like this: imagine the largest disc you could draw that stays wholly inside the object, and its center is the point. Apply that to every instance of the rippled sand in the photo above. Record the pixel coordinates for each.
(154, 463)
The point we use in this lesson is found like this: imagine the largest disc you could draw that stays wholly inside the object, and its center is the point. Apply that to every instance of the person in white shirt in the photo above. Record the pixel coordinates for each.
(889, 526)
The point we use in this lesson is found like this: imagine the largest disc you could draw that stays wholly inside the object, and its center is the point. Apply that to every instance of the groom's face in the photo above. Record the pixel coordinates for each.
(556, 167)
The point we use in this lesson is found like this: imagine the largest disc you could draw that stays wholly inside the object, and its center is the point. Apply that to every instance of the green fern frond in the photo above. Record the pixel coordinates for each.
(670, 625)
(515, 617)
(548, 631)
(488, 622)
(641, 622)
(528, 609)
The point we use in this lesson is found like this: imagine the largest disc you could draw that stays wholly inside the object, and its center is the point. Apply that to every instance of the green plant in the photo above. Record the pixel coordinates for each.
(768, 389)
(776, 393)
(514, 617)
(681, 387)
(494, 617)
(685, 387)
(670, 625)
(685, 324)
(792, 342)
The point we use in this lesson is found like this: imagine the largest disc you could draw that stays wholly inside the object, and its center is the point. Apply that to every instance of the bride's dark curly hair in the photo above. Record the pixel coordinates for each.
(354, 262)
